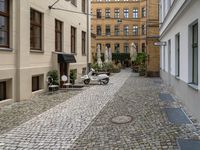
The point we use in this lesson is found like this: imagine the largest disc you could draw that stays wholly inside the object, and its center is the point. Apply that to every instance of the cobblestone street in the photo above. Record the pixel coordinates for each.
(85, 121)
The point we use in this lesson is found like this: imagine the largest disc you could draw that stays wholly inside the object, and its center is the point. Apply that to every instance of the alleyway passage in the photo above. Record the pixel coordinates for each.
(86, 121)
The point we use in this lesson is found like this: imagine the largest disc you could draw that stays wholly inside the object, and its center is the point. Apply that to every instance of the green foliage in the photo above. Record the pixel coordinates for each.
(139, 63)
(95, 66)
(73, 75)
(54, 75)
(120, 56)
(141, 58)
(107, 66)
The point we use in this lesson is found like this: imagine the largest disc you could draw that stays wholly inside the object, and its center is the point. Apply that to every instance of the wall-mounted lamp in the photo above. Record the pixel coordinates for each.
(51, 6)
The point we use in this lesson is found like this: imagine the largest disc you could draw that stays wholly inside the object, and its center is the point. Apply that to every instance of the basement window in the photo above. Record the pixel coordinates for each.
(2, 91)
(37, 83)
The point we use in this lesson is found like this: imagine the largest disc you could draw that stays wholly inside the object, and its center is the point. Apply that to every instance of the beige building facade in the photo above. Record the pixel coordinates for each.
(35, 39)
(119, 23)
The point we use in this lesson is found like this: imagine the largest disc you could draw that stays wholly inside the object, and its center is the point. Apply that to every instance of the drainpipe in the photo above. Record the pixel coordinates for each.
(88, 55)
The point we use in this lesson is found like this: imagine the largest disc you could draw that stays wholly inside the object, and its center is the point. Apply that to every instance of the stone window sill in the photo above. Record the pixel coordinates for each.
(193, 86)
(36, 51)
(6, 49)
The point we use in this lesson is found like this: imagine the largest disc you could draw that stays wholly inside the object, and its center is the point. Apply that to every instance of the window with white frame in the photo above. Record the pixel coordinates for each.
(135, 13)
(177, 54)
(195, 54)
(126, 13)
(116, 15)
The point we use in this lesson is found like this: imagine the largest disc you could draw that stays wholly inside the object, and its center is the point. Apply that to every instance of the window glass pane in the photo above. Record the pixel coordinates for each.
(58, 41)
(2, 91)
(195, 67)
(37, 18)
(195, 54)
(195, 36)
(3, 38)
(4, 5)
(3, 23)
(35, 84)
(35, 37)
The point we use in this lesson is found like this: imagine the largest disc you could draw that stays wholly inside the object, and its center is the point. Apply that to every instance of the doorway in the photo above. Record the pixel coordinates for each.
(63, 71)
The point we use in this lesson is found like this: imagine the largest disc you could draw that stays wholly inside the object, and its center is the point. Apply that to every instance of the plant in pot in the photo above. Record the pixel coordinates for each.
(54, 75)
(141, 61)
(73, 76)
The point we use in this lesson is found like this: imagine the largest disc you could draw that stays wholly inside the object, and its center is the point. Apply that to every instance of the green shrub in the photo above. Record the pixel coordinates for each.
(54, 75)
(73, 75)
(107, 66)
(95, 67)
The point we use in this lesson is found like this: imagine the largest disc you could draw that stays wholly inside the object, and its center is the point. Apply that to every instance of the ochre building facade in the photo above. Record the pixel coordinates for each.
(119, 23)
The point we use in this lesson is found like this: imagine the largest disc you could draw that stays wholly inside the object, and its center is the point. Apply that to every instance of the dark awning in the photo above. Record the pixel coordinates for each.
(66, 58)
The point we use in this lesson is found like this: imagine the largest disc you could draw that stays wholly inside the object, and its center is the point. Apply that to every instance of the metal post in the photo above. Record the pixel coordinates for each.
(87, 68)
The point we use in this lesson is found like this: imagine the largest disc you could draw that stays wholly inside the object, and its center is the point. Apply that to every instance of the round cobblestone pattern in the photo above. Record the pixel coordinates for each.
(150, 130)
(60, 126)
(17, 113)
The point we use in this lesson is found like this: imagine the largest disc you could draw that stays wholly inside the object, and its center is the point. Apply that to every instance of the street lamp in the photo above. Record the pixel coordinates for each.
(51, 7)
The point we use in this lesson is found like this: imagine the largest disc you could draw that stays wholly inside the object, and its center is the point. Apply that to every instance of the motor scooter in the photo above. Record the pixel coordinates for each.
(92, 76)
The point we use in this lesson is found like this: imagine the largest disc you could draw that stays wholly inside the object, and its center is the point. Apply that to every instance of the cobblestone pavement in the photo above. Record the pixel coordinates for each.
(59, 127)
(149, 129)
(15, 114)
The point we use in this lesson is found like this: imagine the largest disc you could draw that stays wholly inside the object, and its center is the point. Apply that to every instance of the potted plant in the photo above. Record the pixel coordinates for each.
(140, 61)
(54, 75)
(73, 76)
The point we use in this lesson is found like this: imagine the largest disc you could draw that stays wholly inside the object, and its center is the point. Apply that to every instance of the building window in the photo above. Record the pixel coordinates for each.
(73, 40)
(143, 12)
(4, 23)
(126, 48)
(117, 32)
(125, 13)
(116, 15)
(83, 42)
(143, 30)
(143, 47)
(108, 45)
(37, 82)
(135, 13)
(117, 46)
(135, 30)
(74, 2)
(195, 54)
(2, 91)
(107, 13)
(99, 13)
(98, 30)
(107, 30)
(83, 6)
(126, 30)
(36, 30)
(58, 35)
(177, 54)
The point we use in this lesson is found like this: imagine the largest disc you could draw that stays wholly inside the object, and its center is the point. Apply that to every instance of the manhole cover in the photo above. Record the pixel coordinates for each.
(121, 119)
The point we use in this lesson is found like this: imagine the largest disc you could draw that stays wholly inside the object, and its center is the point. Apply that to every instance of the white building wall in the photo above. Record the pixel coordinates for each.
(181, 24)
(19, 63)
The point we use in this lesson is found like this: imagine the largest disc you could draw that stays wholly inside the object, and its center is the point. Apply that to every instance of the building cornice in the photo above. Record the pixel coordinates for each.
(173, 20)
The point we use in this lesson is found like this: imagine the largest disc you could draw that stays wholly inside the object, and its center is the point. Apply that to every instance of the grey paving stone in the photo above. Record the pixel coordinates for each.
(62, 125)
